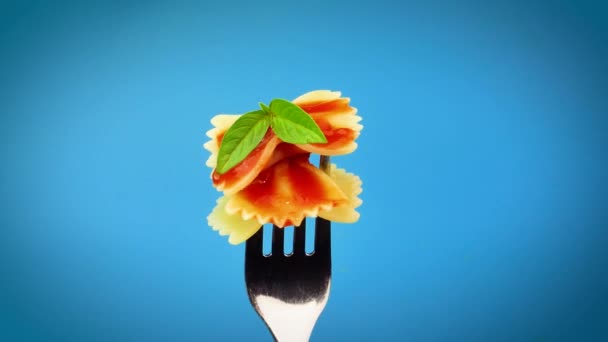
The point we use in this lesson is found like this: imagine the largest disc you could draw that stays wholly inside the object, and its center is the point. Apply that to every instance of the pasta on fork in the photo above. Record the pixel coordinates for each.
(276, 183)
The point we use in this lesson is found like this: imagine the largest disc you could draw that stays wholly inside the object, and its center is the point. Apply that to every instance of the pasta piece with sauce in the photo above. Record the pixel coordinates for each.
(277, 184)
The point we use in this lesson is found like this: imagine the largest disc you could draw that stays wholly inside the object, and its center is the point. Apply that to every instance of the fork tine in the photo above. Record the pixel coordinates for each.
(253, 245)
(278, 240)
(323, 226)
(299, 238)
(322, 237)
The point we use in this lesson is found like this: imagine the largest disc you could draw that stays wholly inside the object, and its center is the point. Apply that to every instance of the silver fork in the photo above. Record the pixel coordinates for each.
(289, 292)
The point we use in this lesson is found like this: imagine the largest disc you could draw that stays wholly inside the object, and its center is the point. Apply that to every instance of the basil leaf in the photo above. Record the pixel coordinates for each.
(264, 107)
(240, 139)
(293, 125)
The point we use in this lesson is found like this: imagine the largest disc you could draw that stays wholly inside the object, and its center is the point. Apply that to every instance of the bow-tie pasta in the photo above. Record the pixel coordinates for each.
(277, 184)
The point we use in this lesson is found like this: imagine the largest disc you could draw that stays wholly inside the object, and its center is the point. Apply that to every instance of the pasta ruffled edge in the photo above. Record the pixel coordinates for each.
(241, 226)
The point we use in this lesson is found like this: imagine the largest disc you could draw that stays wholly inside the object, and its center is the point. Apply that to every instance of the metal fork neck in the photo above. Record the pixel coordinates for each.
(290, 322)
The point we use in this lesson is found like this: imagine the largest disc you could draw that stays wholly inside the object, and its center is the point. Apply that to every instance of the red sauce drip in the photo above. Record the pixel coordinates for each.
(219, 138)
(337, 138)
(330, 106)
(261, 191)
(308, 190)
(286, 189)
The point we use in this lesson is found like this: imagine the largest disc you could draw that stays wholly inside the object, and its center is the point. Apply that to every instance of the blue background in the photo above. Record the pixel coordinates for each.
(483, 159)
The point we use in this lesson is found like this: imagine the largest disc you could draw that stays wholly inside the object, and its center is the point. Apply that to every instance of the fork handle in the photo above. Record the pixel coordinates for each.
(291, 322)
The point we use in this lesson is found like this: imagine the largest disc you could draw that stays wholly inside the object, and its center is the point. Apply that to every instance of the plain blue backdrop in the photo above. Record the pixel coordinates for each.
(483, 158)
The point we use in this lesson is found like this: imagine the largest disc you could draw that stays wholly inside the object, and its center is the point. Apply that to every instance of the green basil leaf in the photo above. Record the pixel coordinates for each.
(293, 125)
(240, 139)
(264, 107)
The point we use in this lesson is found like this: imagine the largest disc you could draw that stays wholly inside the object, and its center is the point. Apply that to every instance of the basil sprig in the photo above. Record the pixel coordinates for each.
(288, 121)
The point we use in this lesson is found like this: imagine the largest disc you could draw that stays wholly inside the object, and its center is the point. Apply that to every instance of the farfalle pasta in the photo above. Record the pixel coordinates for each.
(276, 183)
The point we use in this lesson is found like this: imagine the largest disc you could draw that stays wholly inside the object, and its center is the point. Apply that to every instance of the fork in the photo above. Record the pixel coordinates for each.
(289, 292)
